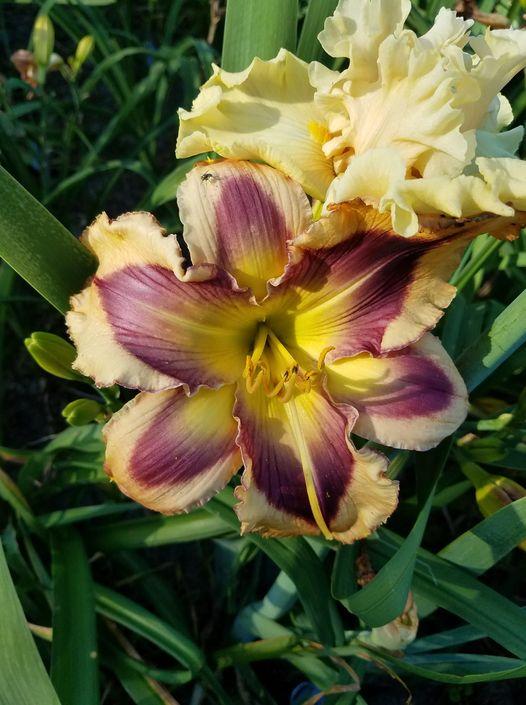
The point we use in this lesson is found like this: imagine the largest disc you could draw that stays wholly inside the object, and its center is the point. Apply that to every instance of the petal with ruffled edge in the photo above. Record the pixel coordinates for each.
(239, 216)
(358, 27)
(373, 291)
(265, 112)
(144, 324)
(302, 474)
(501, 54)
(410, 109)
(377, 177)
(170, 452)
(507, 177)
(411, 399)
(448, 29)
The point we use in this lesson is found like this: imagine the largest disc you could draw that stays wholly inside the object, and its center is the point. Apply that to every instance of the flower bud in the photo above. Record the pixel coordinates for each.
(84, 49)
(398, 634)
(43, 40)
(83, 411)
(54, 355)
(493, 492)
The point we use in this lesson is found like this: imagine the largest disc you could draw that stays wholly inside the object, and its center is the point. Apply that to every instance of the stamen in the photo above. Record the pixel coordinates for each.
(257, 372)
(307, 467)
(323, 355)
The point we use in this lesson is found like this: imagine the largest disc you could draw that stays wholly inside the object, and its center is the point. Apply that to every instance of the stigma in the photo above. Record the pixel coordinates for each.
(273, 369)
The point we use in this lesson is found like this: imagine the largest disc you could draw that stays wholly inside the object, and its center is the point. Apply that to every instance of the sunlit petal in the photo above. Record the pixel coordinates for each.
(372, 291)
(302, 474)
(410, 399)
(265, 113)
(171, 452)
(239, 216)
(144, 324)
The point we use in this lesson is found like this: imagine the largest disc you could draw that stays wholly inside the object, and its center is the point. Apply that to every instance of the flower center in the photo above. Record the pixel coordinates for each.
(276, 371)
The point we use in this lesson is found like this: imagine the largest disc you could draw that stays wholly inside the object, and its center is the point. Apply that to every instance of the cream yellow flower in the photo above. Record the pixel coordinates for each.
(415, 125)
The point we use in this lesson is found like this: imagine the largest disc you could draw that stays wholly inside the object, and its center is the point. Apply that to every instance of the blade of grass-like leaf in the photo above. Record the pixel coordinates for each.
(445, 640)
(158, 592)
(456, 668)
(75, 515)
(297, 559)
(384, 598)
(309, 48)
(457, 591)
(131, 615)
(155, 530)
(74, 660)
(481, 547)
(23, 678)
(38, 247)
(255, 28)
(495, 345)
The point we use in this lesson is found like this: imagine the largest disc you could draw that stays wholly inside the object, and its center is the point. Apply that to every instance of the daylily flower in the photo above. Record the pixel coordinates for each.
(412, 126)
(282, 336)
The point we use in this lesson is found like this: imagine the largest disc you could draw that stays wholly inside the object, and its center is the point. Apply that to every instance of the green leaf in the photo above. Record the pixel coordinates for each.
(297, 559)
(457, 591)
(74, 659)
(384, 598)
(485, 544)
(38, 247)
(155, 530)
(495, 345)
(256, 28)
(131, 615)
(23, 678)
(456, 668)
(309, 48)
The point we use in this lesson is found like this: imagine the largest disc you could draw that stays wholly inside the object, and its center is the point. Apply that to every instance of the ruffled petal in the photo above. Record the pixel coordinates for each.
(302, 474)
(358, 27)
(265, 112)
(501, 54)
(410, 399)
(239, 216)
(373, 291)
(171, 452)
(507, 177)
(144, 324)
(377, 177)
(448, 29)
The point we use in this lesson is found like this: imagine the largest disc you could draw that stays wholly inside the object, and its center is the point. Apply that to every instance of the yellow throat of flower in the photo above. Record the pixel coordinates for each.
(276, 371)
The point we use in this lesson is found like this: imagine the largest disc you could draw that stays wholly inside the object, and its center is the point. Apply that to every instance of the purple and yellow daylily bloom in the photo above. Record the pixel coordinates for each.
(282, 336)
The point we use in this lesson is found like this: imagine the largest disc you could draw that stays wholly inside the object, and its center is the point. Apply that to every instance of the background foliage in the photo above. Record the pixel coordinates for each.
(127, 606)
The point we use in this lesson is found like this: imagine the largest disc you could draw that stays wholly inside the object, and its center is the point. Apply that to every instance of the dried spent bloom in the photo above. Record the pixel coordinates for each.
(282, 336)
(415, 125)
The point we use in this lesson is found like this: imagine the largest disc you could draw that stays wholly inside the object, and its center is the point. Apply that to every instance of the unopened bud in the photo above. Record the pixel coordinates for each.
(54, 355)
(84, 49)
(43, 40)
(398, 634)
(83, 411)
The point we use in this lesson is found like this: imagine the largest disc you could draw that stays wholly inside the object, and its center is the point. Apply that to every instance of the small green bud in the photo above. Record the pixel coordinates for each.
(84, 49)
(54, 355)
(82, 53)
(83, 411)
(43, 40)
